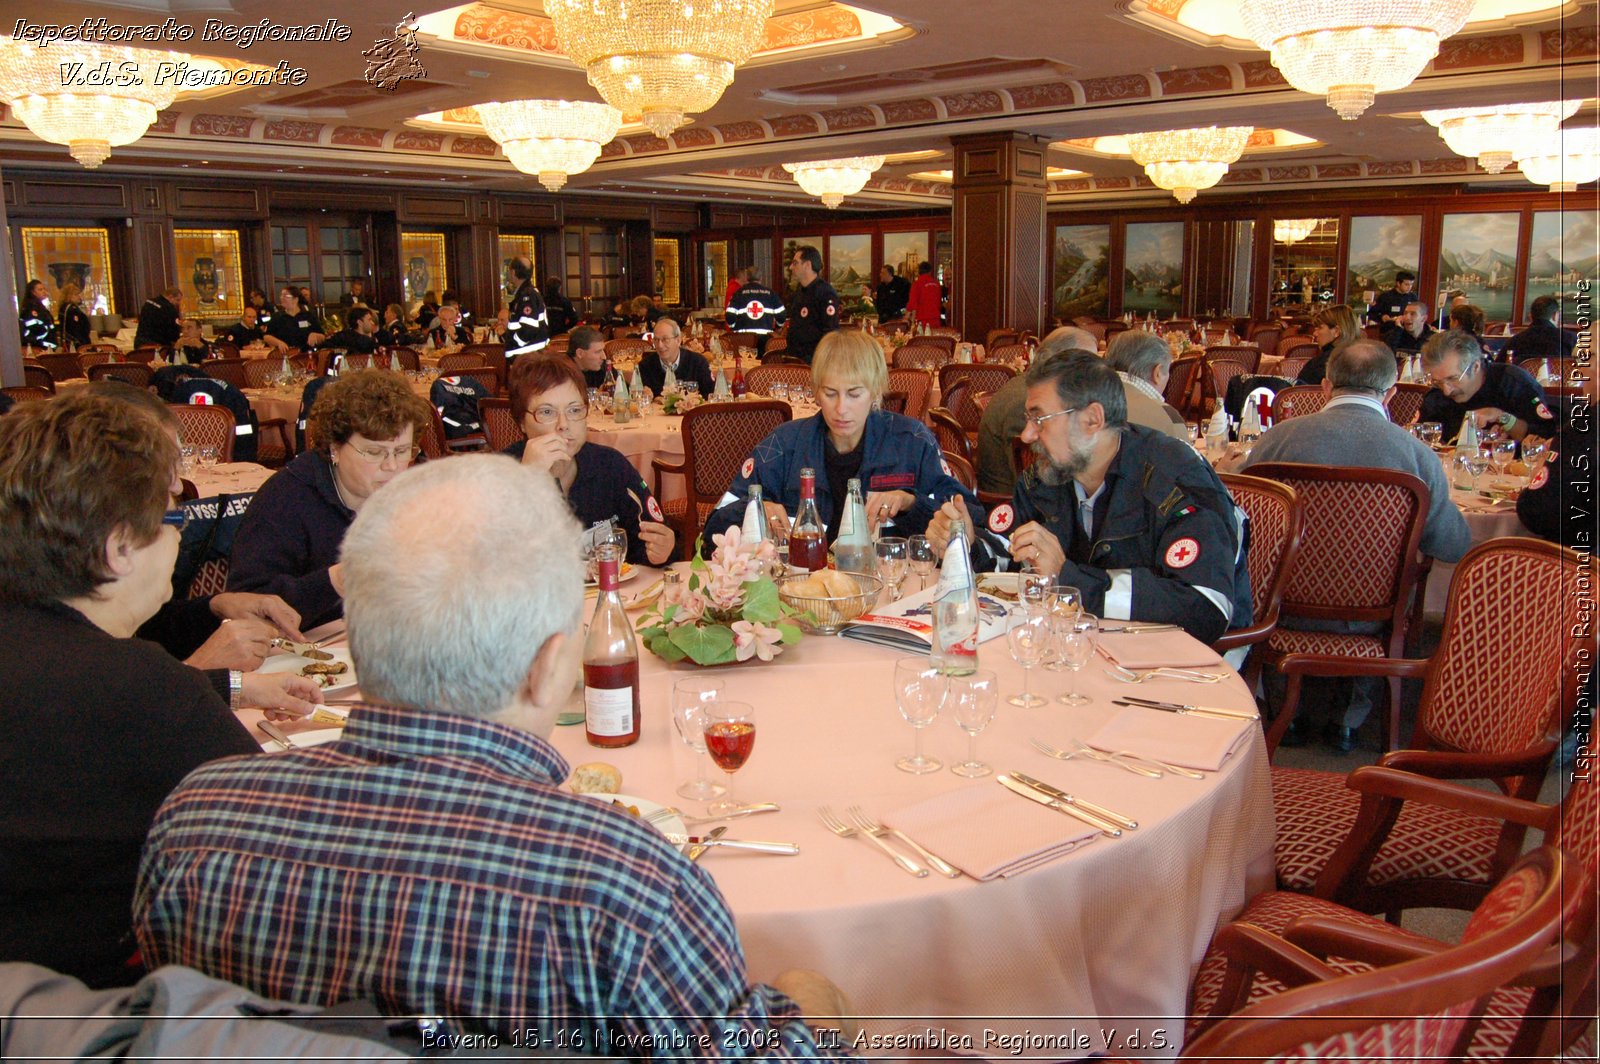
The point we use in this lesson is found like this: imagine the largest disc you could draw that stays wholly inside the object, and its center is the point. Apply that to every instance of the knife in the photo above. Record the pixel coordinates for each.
(1089, 807)
(276, 734)
(694, 853)
(713, 838)
(1105, 827)
(1199, 711)
(742, 811)
(1135, 629)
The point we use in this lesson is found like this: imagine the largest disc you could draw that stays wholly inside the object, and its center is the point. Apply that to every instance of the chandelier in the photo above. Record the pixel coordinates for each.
(833, 179)
(89, 119)
(1492, 134)
(1186, 160)
(1293, 230)
(550, 138)
(1349, 50)
(659, 59)
(1564, 160)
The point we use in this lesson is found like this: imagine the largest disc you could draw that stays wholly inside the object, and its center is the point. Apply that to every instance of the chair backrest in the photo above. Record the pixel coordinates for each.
(1358, 556)
(760, 379)
(919, 355)
(1096, 329)
(949, 433)
(1406, 402)
(259, 372)
(1249, 356)
(1007, 354)
(981, 376)
(225, 349)
(202, 426)
(1298, 401)
(457, 361)
(411, 359)
(1186, 370)
(1413, 1010)
(748, 341)
(894, 402)
(1265, 335)
(61, 367)
(24, 393)
(999, 338)
(92, 358)
(1560, 366)
(917, 384)
(148, 353)
(776, 345)
(1298, 346)
(962, 400)
(487, 376)
(1219, 371)
(1277, 523)
(134, 373)
(225, 369)
(628, 346)
(433, 439)
(499, 427)
(1292, 364)
(961, 469)
(718, 437)
(36, 376)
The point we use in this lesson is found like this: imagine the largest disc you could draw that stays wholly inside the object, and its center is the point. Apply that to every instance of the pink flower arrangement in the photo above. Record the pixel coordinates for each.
(727, 610)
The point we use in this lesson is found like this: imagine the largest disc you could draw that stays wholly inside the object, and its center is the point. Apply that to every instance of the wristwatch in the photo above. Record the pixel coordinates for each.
(1507, 420)
(235, 688)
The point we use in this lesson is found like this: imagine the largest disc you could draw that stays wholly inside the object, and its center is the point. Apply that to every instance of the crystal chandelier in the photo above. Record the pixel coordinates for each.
(832, 180)
(1564, 160)
(550, 138)
(1492, 134)
(659, 59)
(89, 119)
(1293, 230)
(1186, 160)
(1348, 50)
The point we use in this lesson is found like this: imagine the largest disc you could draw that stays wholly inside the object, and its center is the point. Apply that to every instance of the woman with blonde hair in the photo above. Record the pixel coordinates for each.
(1332, 327)
(904, 479)
(75, 325)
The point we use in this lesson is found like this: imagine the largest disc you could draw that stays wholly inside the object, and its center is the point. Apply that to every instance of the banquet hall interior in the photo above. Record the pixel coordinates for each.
(1381, 765)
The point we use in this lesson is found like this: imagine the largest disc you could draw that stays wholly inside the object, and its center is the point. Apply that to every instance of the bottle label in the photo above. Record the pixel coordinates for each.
(847, 523)
(955, 575)
(609, 710)
(754, 528)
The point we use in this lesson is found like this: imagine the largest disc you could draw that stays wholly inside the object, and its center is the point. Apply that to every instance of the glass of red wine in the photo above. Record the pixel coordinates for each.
(730, 729)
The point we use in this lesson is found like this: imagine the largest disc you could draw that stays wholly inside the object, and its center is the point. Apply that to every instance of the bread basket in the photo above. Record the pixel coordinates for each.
(830, 613)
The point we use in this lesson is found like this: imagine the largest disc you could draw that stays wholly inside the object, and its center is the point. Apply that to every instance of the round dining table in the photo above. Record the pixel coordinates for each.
(1090, 951)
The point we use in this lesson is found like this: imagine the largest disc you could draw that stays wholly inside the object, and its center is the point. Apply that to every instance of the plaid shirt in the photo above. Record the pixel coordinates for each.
(429, 862)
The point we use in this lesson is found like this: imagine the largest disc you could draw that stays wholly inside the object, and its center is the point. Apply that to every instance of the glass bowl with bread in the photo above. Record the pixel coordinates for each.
(831, 599)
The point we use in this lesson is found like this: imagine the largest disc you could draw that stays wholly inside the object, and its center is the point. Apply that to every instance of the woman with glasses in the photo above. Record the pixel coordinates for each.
(361, 434)
(549, 401)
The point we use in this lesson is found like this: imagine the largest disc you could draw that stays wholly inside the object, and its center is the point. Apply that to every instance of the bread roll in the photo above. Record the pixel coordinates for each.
(595, 777)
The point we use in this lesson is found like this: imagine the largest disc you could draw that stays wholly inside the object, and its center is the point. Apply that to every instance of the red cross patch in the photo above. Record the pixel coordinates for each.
(944, 467)
(654, 508)
(451, 380)
(748, 468)
(1543, 411)
(805, 312)
(200, 399)
(1540, 477)
(1001, 518)
(832, 310)
(1182, 553)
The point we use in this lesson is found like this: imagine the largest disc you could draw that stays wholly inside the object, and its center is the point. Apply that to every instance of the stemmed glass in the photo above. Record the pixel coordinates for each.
(972, 699)
(1028, 640)
(1504, 453)
(1075, 640)
(730, 731)
(689, 700)
(892, 561)
(921, 552)
(1431, 432)
(919, 690)
(1068, 605)
(597, 537)
(1477, 466)
(210, 455)
(1036, 591)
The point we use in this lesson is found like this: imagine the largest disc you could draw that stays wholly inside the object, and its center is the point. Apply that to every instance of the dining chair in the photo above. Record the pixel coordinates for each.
(1218, 372)
(457, 361)
(61, 367)
(433, 441)
(92, 358)
(961, 469)
(748, 342)
(951, 437)
(230, 370)
(225, 349)
(717, 438)
(1277, 522)
(1406, 403)
(1265, 336)
(760, 379)
(1357, 563)
(356, 360)
(628, 347)
(999, 338)
(134, 373)
(961, 400)
(1182, 379)
(499, 427)
(37, 376)
(205, 426)
(487, 376)
(1297, 401)
(1096, 329)
(980, 376)
(260, 372)
(917, 384)
(1560, 366)
(1298, 347)
(1245, 353)
(25, 393)
(777, 346)
(1010, 354)
(918, 355)
(1291, 365)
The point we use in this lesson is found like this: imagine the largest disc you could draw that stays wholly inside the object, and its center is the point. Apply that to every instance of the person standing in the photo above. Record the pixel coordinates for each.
(814, 308)
(892, 294)
(159, 323)
(558, 308)
(38, 324)
(926, 297)
(1387, 308)
(76, 329)
(737, 280)
(755, 309)
(528, 326)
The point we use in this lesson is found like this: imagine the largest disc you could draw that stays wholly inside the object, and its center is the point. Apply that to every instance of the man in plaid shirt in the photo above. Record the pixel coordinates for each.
(429, 860)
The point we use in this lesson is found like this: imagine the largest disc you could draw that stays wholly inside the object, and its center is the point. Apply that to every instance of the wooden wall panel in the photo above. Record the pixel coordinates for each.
(86, 195)
(201, 201)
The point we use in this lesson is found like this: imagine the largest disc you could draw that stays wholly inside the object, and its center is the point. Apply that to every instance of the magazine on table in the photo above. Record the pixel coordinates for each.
(907, 624)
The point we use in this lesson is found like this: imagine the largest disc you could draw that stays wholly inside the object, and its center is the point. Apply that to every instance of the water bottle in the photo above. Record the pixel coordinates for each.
(754, 529)
(620, 401)
(852, 550)
(955, 609)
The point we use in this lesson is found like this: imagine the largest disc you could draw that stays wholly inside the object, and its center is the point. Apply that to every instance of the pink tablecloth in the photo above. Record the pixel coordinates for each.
(640, 440)
(1486, 521)
(231, 478)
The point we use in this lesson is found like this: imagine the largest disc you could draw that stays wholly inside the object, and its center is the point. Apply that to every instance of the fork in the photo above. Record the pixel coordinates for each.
(877, 830)
(1117, 672)
(1093, 755)
(831, 821)
(1132, 758)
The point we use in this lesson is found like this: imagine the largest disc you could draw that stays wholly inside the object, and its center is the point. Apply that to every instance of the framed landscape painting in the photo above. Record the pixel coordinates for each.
(1152, 268)
(510, 246)
(1082, 271)
(1478, 255)
(76, 256)
(1380, 247)
(209, 273)
(905, 252)
(850, 268)
(789, 245)
(1562, 255)
(422, 255)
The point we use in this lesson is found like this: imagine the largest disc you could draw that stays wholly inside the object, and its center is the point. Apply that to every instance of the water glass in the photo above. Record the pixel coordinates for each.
(1477, 466)
(1036, 590)
(971, 700)
(778, 390)
(1431, 432)
(594, 539)
(1075, 645)
(922, 559)
(1503, 454)
(690, 697)
(730, 736)
(186, 455)
(919, 691)
(1068, 605)
(1028, 640)
(210, 455)
(893, 558)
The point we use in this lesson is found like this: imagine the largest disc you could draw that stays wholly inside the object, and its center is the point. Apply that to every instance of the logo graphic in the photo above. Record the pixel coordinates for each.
(805, 312)
(944, 467)
(1540, 477)
(395, 60)
(199, 399)
(654, 508)
(832, 310)
(1543, 411)
(1001, 518)
(748, 468)
(1182, 553)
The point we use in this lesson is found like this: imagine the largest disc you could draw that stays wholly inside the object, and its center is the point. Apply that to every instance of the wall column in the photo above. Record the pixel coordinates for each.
(999, 233)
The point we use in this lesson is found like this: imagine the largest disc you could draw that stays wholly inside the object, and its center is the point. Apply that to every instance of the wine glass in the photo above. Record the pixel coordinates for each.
(210, 455)
(892, 561)
(730, 732)
(922, 559)
(689, 700)
(1036, 591)
(1477, 466)
(1027, 640)
(919, 690)
(972, 699)
(186, 460)
(602, 535)
(1068, 605)
(1075, 643)
(1504, 453)
(1432, 432)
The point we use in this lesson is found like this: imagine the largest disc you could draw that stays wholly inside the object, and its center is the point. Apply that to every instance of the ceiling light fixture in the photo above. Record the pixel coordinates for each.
(1186, 160)
(1350, 50)
(831, 180)
(659, 59)
(1564, 160)
(1493, 134)
(116, 105)
(552, 139)
(1293, 230)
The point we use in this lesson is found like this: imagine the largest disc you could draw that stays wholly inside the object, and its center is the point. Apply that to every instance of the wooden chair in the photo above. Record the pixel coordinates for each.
(109, 349)
(760, 379)
(1297, 347)
(92, 358)
(777, 346)
(980, 376)
(999, 338)
(433, 441)
(1007, 354)
(1096, 329)
(225, 349)
(1561, 366)
(1277, 522)
(717, 438)
(1265, 336)
(1243, 353)
(493, 355)
(949, 433)
(1406, 402)
(1185, 374)
(1214, 385)
(918, 355)
(962, 400)
(1292, 364)
(457, 361)
(61, 367)
(748, 342)
(500, 429)
(961, 469)
(134, 373)
(23, 393)
(1357, 562)
(36, 376)
(230, 370)
(917, 384)
(357, 360)
(1297, 401)
(893, 402)
(259, 372)
(203, 426)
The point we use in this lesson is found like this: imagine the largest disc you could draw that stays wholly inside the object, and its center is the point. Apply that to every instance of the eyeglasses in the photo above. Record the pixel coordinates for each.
(1038, 420)
(178, 518)
(549, 415)
(380, 455)
(1455, 378)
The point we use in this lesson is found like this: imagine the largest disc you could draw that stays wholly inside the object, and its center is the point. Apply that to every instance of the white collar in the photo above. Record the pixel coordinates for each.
(1143, 385)
(1349, 399)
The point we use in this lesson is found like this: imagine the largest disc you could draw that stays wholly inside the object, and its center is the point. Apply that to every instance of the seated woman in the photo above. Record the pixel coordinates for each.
(549, 401)
(903, 477)
(1332, 328)
(361, 434)
(96, 726)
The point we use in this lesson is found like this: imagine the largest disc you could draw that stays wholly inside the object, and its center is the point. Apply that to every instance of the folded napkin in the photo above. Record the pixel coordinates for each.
(1151, 650)
(988, 832)
(1202, 743)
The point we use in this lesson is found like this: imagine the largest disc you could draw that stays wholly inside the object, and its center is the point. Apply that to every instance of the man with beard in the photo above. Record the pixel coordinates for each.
(1131, 517)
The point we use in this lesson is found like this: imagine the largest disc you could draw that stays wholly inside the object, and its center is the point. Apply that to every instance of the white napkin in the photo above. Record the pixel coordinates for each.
(1150, 650)
(1202, 743)
(988, 832)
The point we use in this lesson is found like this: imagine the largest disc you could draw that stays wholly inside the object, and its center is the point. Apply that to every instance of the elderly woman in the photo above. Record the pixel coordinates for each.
(361, 434)
(1331, 327)
(895, 457)
(95, 726)
(549, 401)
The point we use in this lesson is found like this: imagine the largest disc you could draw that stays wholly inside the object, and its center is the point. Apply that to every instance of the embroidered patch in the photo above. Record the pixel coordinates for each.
(1539, 478)
(451, 380)
(748, 468)
(891, 482)
(1182, 553)
(832, 310)
(654, 508)
(1001, 518)
(944, 467)
(199, 399)
(805, 312)
(1543, 411)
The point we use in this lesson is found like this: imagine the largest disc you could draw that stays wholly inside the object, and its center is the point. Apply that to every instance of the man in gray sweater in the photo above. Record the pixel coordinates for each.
(1354, 430)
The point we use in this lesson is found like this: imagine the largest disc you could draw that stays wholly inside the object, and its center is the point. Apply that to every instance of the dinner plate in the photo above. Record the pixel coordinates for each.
(671, 825)
(305, 738)
(626, 573)
(294, 663)
(1003, 585)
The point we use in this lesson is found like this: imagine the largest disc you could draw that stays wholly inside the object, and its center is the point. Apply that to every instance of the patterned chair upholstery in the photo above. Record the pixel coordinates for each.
(1291, 365)
(1494, 697)
(488, 376)
(747, 341)
(776, 345)
(230, 370)
(1298, 347)
(433, 441)
(92, 358)
(457, 361)
(980, 377)
(1277, 521)
(961, 469)
(411, 359)
(1219, 371)
(134, 373)
(1181, 380)
(1007, 354)
(1265, 336)
(1560, 366)
(1298, 401)
(965, 401)
(492, 355)
(1357, 562)
(717, 438)
(917, 384)
(259, 372)
(1406, 402)
(1245, 353)
(24, 393)
(920, 355)
(499, 427)
(60, 367)
(36, 376)
(1000, 338)
(202, 426)
(760, 379)
(953, 439)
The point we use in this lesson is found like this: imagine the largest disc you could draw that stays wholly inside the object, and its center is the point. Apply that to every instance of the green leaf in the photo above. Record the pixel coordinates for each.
(761, 602)
(791, 634)
(662, 647)
(710, 645)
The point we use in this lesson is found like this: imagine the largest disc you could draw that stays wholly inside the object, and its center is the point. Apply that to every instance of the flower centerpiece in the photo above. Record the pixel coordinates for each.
(728, 610)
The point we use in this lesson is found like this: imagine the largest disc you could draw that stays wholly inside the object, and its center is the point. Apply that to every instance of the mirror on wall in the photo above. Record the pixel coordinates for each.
(1305, 255)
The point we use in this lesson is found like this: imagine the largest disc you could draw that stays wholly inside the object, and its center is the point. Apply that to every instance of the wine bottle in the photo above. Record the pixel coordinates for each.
(754, 529)
(808, 543)
(955, 609)
(610, 665)
(852, 550)
(738, 386)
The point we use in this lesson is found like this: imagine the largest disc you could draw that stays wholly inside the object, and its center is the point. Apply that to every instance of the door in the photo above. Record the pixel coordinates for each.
(593, 264)
(321, 254)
